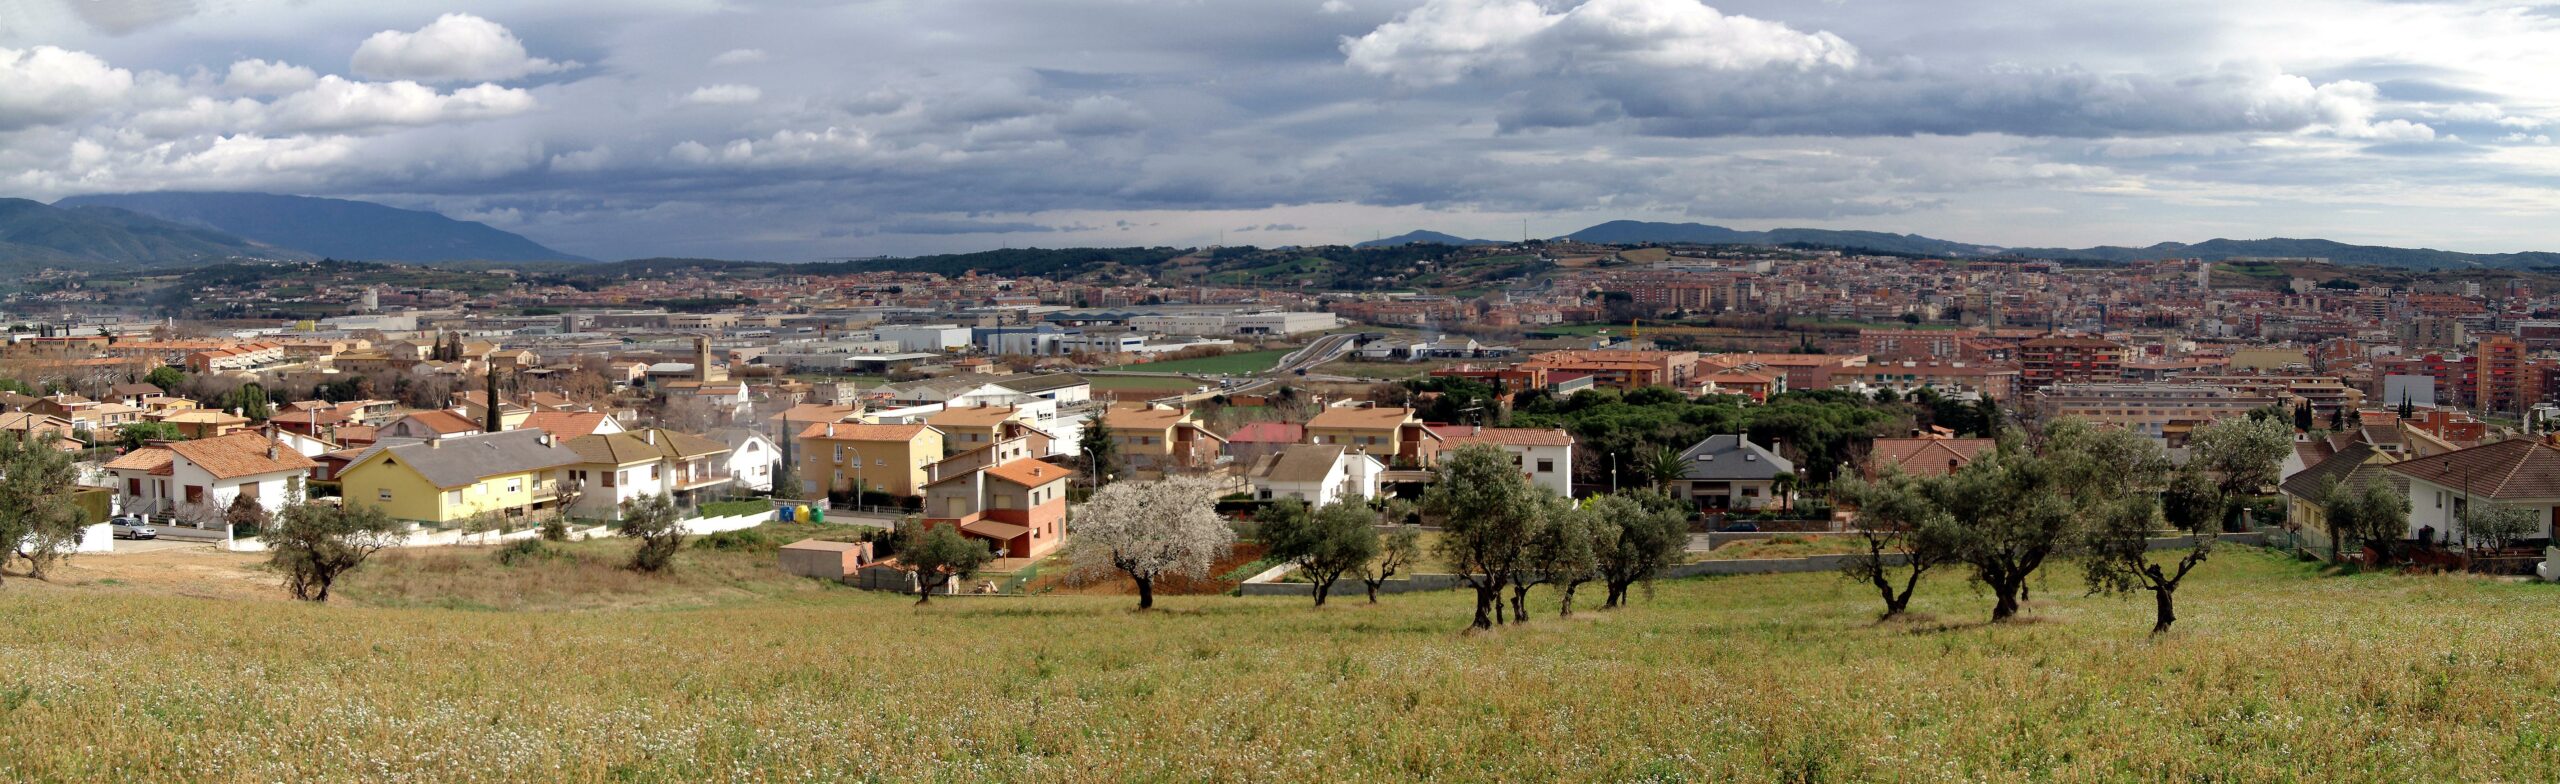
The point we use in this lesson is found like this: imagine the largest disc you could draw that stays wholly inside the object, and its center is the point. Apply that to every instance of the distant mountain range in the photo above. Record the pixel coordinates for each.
(1627, 232)
(1424, 237)
(34, 235)
(335, 228)
(1631, 232)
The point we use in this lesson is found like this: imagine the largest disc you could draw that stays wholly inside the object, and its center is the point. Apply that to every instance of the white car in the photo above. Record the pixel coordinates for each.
(133, 527)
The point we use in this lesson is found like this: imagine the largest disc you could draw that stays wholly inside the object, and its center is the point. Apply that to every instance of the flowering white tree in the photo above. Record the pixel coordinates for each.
(1149, 530)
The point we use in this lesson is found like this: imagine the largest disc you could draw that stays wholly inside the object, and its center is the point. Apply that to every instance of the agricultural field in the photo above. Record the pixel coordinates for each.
(2278, 672)
(1236, 363)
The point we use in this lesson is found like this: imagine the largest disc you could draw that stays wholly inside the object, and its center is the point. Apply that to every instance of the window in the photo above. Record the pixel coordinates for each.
(453, 497)
(839, 453)
(382, 495)
(1546, 466)
(515, 485)
(653, 473)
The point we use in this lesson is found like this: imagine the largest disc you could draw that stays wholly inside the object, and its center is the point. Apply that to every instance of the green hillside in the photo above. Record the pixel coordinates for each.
(2277, 673)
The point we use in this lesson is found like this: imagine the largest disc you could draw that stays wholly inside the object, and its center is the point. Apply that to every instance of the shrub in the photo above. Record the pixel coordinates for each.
(527, 551)
(742, 540)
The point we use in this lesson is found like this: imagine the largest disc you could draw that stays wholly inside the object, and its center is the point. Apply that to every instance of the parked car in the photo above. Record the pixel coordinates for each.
(133, 527)
(1739, 528)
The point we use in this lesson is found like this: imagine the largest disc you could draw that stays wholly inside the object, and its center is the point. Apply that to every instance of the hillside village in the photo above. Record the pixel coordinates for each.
(992, 405)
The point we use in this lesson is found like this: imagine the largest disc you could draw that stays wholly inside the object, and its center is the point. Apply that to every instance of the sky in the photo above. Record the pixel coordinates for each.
(804, 129)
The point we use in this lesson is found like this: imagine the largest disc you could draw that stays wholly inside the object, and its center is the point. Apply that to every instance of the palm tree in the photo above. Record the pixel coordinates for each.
(1784, 484)
(1664, 467)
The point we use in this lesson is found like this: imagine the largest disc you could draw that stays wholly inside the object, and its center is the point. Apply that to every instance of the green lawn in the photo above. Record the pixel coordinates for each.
(2276, 673)
(1239, 363)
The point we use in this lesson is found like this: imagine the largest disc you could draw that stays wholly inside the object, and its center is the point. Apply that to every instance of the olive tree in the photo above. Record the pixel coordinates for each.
(1565, 554)
(1325, 543)
(1902, 536)
(38, 520)
(1488, 514)
(2373, 513)
(2024, 503)
(938, 555)
(1397, 551)
(1150, 530)
(2228, 462)
(2497, 525)
(314, 545)
(1635, 535)
(653, 521)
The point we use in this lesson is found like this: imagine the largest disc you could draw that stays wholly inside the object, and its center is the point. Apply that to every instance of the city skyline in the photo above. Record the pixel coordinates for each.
(791, 131)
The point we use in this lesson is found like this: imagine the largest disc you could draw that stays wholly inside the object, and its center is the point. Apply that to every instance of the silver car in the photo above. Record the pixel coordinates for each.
(133, 527)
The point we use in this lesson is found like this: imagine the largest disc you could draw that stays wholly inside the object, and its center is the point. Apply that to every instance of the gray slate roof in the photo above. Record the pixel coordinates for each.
(462, 460)
(1728, 458)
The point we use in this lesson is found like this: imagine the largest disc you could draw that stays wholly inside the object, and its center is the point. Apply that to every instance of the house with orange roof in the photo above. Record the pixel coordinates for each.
(57, 430)
(199, 479)
(1751, 382)
(570, 424)
(1924, 455)
(1019, 504)
(1153, 437)
(1625, 370)
(1544, 454)
(1395, 436)
(843, 457)
(969, 427)
(204, 422)
(430, 425)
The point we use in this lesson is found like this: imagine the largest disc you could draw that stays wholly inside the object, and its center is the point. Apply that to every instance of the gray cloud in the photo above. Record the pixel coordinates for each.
(796, 129)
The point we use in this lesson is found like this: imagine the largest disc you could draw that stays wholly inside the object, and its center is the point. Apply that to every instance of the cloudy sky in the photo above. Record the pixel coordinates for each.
(805, 129)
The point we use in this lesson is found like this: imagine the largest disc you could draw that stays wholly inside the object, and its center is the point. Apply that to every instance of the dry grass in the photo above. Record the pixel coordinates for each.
(2277, 674)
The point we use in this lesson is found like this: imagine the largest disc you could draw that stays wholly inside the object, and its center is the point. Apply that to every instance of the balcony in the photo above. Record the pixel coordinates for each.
(705, 477)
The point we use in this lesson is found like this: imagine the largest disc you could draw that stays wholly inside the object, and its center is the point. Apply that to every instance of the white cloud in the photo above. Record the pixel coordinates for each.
(1334, 7)
(738, 57)
(336, 104)
(724, 95)
(587, 160)
(453, 48)
(47, 84)
(1444, 41)
(262, 77)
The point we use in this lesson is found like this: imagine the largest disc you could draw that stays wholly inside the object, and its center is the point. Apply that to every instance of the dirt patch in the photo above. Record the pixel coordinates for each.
(202, 571)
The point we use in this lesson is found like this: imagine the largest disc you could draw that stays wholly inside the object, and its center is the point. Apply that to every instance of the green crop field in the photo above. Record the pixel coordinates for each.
(2277, 673)
(1241, 362)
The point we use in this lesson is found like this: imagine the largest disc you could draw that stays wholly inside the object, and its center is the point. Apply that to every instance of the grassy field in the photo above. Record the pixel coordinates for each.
(1238, 363)
(2277, 673)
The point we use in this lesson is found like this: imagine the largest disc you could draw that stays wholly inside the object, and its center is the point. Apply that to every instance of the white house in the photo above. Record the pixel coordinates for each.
(618, 467)
(200, 479)
(2521, 473)
(753, 458)
(1544, 455)
(1318, 474)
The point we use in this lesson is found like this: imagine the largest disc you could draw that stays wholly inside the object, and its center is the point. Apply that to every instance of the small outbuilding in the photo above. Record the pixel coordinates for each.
(824, 559)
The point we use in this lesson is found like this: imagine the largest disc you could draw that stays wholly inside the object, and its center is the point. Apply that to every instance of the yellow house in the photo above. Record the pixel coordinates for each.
(970, 427)
(1395, 436)
(890, 459)
(1152, 437)
(439, 482)
(474, 406)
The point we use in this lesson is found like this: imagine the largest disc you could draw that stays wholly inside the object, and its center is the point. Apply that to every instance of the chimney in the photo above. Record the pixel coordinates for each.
(831, 430)
(649, 437)
(435, 443)
(271, 453)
